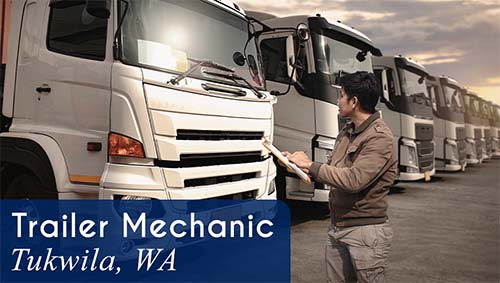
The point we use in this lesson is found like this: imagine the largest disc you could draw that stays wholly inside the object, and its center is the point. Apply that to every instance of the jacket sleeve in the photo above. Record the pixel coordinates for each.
(374, 155)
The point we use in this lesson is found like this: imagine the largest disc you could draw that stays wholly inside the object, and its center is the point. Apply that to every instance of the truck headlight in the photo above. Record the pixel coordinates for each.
(408, 153)
(471, 148)
(451, 151)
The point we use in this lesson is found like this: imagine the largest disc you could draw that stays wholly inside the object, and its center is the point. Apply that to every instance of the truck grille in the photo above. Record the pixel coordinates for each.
(210, 159)
(218, 179)
(217, 135)
(460, 132)
(229, 210)
(477, 134)
(424, 132)
(425, 150)
(486, 133)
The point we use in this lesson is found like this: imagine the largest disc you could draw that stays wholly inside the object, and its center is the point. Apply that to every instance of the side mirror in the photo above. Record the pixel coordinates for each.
(290, 58)
(361, 56)
(303, 32)
(99, 8)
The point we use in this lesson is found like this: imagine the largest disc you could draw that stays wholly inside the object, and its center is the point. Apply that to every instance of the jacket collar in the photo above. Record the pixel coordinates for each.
(350, 127)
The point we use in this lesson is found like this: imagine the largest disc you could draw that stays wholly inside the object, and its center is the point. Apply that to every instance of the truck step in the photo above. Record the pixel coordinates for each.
(301, 194)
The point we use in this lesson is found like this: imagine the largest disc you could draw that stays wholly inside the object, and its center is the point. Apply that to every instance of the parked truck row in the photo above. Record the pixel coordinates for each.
(427, 114)
(136, 100)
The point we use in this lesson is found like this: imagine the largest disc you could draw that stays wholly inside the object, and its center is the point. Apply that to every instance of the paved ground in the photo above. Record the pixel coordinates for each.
(447, 230)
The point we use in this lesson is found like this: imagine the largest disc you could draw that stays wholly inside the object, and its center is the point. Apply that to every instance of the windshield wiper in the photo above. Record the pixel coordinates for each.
(233, 77)
(198, 64)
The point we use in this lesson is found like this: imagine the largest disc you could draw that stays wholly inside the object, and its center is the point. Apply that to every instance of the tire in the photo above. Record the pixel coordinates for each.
(28, 186)
(280, 181)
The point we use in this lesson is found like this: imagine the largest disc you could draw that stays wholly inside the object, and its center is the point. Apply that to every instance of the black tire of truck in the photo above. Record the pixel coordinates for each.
(4, 121)
(280, 180)
(27, 186)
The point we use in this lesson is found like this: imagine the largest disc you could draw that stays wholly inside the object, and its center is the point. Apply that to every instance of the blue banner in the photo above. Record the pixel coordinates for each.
(145, 241)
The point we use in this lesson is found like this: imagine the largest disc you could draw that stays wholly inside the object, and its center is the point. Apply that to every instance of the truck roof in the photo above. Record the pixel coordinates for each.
(321, 22)
(412, 63)
(470, 92)
(228, 5)
(451, 81)
(402, 62)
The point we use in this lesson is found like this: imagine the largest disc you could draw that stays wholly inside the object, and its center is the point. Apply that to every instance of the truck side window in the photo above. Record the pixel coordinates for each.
(72, 31)
(378, 75)
(432, 91)
(391, 83)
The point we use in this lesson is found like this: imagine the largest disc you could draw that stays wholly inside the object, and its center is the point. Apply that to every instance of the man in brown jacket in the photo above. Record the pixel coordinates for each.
(359, 172)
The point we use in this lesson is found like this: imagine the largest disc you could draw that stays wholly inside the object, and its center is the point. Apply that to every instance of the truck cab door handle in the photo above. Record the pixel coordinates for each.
(43, 88)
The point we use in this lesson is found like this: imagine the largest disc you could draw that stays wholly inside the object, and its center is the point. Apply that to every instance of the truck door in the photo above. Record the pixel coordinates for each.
(28, 75)
(69, 85)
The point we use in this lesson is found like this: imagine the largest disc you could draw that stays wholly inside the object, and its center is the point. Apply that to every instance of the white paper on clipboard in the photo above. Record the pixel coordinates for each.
(286, 162)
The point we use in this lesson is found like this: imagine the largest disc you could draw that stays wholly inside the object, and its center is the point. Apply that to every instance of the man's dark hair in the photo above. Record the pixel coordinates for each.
(364, 86)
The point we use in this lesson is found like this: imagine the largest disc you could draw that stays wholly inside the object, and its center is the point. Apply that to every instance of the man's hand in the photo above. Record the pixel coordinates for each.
(300, 159)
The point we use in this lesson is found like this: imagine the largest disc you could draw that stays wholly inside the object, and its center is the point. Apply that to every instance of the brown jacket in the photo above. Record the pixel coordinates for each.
(360, 171)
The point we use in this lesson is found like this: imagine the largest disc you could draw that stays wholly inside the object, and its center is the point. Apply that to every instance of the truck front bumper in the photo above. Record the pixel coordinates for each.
(405, 177)
(120, 180)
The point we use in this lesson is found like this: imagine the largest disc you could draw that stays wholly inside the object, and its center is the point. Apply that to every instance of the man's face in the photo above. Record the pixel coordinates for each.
(346, 105)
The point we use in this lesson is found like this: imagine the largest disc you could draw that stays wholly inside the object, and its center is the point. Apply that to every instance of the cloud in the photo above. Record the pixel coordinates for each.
(347, 15)
(485, 2)
(332, 11)
(437, 57)
(491, 93)
(494, 81)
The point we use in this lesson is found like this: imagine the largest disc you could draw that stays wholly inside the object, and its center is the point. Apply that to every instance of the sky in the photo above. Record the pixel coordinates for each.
(460, 39)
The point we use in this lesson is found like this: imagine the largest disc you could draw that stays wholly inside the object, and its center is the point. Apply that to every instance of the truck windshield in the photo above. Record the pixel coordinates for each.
(333, 56)
(453, 98)
(412, 84)
(165, 34)
(472, 105)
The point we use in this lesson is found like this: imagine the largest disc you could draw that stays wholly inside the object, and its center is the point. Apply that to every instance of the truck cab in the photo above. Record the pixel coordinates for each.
(306, 117)
(407, 110)
(485, 123)
(134, 100)
(494, 122)
(449, 128)
(474, 134)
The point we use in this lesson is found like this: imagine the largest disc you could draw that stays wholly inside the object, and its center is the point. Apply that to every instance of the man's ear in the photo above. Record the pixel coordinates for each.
(355, 102)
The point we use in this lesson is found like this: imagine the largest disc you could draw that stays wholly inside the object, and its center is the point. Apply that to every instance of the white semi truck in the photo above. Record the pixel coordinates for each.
(494, 122)
(449, 128)
(406, 108)
(306, 118)
(474, 133)
(486, 130)
(133, 99)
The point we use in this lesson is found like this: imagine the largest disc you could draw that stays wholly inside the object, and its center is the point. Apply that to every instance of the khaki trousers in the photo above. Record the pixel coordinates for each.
(358, 254)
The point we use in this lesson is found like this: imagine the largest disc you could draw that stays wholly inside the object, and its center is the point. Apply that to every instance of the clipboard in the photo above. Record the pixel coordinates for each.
(294, 168)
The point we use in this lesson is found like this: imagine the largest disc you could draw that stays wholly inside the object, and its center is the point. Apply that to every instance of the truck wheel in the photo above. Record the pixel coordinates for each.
(280, 183)
(27, 186)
